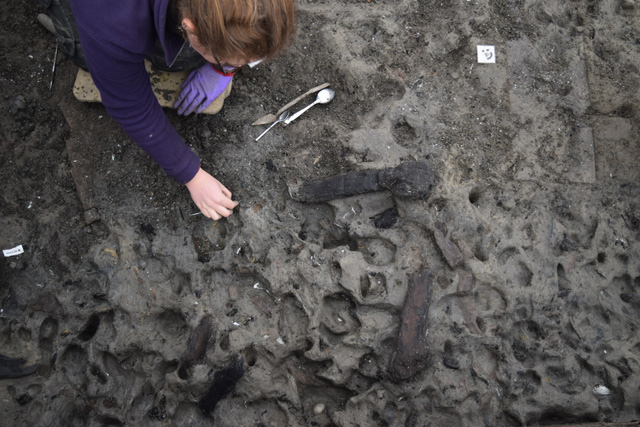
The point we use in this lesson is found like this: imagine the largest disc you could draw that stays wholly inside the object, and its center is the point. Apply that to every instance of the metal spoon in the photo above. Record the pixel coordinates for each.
(282, 117)
(324, 96)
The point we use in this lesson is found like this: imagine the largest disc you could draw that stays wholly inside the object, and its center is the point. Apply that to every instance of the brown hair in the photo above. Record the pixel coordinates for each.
(245, 29)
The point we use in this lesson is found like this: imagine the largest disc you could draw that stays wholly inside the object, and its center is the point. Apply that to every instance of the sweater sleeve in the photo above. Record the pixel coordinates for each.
(125, 89)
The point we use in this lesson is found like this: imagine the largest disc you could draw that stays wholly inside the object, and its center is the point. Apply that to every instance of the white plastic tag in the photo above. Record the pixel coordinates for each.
(486, 54)
(13, 251)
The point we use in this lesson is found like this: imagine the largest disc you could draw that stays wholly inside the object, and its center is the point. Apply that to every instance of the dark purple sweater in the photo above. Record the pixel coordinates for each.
(116, 36)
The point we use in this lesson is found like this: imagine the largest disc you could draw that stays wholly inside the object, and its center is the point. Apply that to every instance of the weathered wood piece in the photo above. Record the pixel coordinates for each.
(466, 283)
(10, 368)
(223, 382)
(83, 157)
(386, 219)
(413, 349)
(197, 342)
(413, 180)
(449, 250)
(305, 378)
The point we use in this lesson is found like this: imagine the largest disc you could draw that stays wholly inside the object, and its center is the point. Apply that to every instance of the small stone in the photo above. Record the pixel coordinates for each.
(451, 363)
(319, 408)
(20, 102)
(465, 283)
(91, 216)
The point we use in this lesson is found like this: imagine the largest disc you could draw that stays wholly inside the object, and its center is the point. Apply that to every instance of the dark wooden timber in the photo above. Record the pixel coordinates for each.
(412, 348)
(223, 382)
(413, 180)
(10, 368)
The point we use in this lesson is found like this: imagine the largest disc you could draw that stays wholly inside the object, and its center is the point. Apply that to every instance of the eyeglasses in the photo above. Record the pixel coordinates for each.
(225, 68)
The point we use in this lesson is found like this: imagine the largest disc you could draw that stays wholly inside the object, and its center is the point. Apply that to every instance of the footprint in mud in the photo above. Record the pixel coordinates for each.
(225, 343)
(293, 322)
(338, 314)
(172, 323)
(24, 395)
(90, 328)
(527, 338)
(407, 131)
(117, 372)
(519, 274)
(526, 383)
(47, 333)
(319, 228)
(625, 288)
(97, 374)
(74, 363)
(373, 285)
(377, 251)
(139, 407)
(253, 413)
(506, 254)
(563, 283)
(482, 250)
(369, 366)
(490, 300)
(208, 238)
(185, 414)
(568, 379)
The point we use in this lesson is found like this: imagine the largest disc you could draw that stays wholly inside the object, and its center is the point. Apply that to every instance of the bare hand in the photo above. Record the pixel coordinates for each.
(212, 198)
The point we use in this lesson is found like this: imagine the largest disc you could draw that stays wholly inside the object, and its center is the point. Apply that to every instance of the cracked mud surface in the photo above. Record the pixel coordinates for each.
(531, 233)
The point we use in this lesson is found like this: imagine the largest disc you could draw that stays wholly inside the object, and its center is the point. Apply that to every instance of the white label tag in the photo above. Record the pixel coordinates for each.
(486, 54)
(13, 251)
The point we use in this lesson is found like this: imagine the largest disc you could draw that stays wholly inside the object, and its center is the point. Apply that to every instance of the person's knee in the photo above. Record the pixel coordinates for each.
(66, 31)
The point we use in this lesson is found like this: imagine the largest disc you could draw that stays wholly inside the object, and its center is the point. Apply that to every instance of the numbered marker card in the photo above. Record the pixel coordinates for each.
(13, 251)
(486, 54)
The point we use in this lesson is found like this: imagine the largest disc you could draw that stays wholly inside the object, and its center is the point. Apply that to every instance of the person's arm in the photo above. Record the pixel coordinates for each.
(126, 93)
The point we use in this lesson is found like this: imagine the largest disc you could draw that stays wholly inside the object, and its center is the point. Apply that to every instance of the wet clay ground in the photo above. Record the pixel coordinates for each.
(525, 253)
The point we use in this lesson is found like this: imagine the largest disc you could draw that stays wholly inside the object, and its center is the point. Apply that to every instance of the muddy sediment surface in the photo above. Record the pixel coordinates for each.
(294, 313)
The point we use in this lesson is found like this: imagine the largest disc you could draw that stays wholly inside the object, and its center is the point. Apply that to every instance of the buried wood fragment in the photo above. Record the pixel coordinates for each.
(412, 348)
(449, 250)
(11, 368)
(413, 180)
(261, 305)
(197, 343)
(223, 382)
(305, 378)
(386, 219)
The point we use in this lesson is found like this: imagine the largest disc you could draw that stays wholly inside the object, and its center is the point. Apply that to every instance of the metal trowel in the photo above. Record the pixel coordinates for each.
(270, 118)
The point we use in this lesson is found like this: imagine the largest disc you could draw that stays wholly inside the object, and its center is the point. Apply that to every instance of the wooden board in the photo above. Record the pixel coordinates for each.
(165, 85)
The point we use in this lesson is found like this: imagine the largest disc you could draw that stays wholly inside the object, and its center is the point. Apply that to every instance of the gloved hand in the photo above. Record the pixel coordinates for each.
(200, 89)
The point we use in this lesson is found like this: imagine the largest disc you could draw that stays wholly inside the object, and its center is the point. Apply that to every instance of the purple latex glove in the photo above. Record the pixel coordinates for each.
(200, 89)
